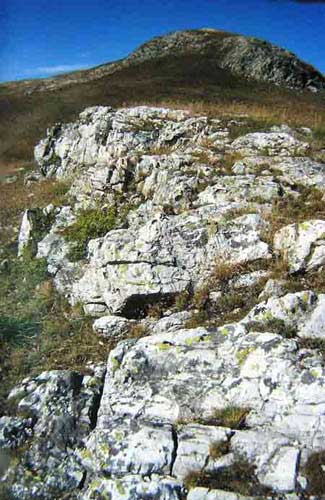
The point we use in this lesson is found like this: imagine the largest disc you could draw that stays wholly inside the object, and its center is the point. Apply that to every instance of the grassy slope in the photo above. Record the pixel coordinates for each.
(179, 81)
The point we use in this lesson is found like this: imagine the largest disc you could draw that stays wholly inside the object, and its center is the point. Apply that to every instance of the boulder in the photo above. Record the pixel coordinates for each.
(302, 245)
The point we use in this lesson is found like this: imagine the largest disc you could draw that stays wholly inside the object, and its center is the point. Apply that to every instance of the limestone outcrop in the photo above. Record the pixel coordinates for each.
(226, 406)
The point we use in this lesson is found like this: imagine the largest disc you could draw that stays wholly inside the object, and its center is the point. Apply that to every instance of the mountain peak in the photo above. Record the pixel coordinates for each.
(245, 57)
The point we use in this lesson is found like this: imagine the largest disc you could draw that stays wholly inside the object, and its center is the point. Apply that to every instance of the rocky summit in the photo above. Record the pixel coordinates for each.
(198, 247)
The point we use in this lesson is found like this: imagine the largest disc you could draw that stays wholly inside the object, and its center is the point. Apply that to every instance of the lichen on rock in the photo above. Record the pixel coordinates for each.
(185, 403)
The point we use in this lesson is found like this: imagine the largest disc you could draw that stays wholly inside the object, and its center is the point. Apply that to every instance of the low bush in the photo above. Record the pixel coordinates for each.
(230, 416)
(91, 223)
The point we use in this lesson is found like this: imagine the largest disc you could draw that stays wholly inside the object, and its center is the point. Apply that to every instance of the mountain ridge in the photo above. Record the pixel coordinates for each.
(198, 41)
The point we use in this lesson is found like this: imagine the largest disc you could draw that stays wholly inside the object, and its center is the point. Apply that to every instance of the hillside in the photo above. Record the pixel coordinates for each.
(162, 270)
(167, 309)
(215, 68)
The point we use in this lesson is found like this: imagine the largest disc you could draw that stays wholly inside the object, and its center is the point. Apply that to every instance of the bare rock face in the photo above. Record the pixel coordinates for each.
(159, 159)
(187, 409)
(60, 407)
(303, 245)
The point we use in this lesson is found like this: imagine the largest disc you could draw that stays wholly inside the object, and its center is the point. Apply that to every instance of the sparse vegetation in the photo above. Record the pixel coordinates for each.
(91, 223)
(163, 149)
(232, 304)
(251, 124)
(16, 197)
(137, 330)
(230, 416)
(218, 449)
(315, 473)
(38, 329)
(315, 344)
(227, 162)
(239, 477)
(308, 204)
(204, 156)
(145, 125)
(274, 325)
(298, 282)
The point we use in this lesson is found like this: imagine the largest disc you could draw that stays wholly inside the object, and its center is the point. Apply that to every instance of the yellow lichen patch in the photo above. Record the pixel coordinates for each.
(243, 354)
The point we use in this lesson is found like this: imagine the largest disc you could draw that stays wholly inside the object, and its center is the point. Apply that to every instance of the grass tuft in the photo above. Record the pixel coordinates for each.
(315, 473)
(239, 478)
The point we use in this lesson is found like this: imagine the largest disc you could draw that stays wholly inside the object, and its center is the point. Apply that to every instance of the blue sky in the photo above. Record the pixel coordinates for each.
(39, 38)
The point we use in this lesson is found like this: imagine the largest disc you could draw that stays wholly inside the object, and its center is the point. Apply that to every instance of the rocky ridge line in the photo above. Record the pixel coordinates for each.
(245, 57)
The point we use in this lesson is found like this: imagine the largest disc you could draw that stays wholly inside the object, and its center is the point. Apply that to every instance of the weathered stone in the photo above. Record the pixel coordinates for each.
(273, 288)
(61, 407)
(35, 223)
(14, 431)
(314, 325)
(194, 442)
(128, 269)
(270, 143)
(56, 250)
(302, 245)
(188, 374)
(111, 326)
(134, 486)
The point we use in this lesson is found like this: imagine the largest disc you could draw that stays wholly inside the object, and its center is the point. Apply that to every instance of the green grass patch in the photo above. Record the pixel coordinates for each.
(38, 328)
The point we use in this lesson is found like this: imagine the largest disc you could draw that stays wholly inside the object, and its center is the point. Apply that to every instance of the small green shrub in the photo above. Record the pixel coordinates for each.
(91, 223)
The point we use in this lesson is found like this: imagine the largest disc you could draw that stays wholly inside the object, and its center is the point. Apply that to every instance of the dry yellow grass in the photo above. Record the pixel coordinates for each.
(285, 109)
(16, 197)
